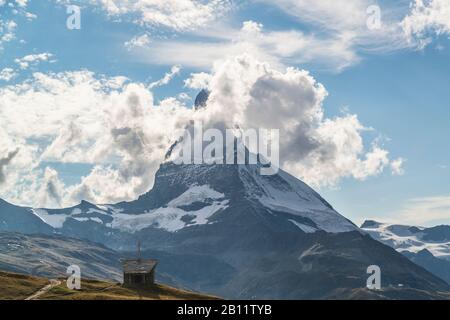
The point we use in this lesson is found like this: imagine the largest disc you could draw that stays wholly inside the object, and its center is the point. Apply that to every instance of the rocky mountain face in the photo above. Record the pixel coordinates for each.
(228, 231)
(21, 219)
(427, 247)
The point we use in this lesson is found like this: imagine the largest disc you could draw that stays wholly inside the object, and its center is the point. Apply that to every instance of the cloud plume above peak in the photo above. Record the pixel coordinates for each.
(114, 126)
(319, 150)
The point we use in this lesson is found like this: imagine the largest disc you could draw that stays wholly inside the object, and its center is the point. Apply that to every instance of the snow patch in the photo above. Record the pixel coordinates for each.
(95, 219)
(169, 218)
(195, 194)
(172, 218)
(57, 220)
(54, 220)
(402, 239)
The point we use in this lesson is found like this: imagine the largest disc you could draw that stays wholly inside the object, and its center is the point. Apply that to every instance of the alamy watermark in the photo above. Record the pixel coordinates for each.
(373, 21)
(74, 19)
(74, 280)
(229, 146)
(374, 280)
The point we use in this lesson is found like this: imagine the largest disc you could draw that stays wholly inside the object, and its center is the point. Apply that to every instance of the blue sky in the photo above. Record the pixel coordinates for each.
(394, 78)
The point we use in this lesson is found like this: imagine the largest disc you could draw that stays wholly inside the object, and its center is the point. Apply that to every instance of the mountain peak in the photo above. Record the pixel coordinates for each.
(425, 253)
(201, 99)
(281, 196)
(370, 224)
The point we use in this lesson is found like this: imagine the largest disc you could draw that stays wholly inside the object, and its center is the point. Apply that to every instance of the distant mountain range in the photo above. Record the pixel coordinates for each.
(427, 247)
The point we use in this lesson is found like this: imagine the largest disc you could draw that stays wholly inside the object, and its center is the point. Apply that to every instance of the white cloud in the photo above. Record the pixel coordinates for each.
(401, 26)
(198, 80)
(336, 35)
(339, 152)
(178, 15)
(183, 96)
(22, 3)
(32, 59)
(277, 47)
(8, 26)
(321, 151)
(424, 211)
(7, 74)
(213, 40)
(332, 17)
(252, 28)
(138, 41)
(114, 125)
(30, 16)
(175, 70)
(397, 167)
(427, 18)
(7, 30)
(330, 14)
(75, 117)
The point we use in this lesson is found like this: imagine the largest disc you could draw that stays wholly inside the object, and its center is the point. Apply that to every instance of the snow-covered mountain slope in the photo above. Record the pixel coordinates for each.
(194, 207)
(194, 199)
(427, 247)
(410, 238)
(283, 192)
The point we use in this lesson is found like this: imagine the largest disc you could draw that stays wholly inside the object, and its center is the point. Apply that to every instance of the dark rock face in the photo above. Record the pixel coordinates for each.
(201, 99)
(424, 258)
(370, 224)
(438, 233)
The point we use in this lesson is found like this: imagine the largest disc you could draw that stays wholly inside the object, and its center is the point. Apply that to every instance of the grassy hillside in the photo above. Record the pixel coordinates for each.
(99, 290)
(18, 287)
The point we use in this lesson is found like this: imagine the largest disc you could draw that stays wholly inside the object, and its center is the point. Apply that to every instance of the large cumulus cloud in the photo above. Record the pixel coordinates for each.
(76, 117)
(426, 19)
(114, 126)
(250, 94)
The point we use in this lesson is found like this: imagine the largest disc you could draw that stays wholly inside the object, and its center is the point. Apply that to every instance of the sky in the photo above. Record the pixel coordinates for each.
(92, 96)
